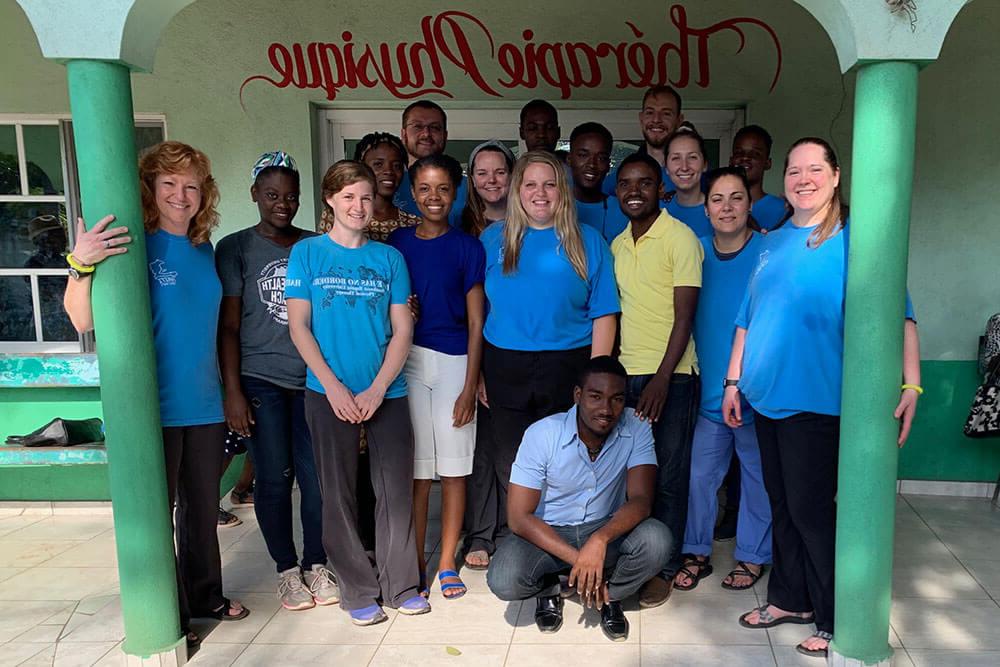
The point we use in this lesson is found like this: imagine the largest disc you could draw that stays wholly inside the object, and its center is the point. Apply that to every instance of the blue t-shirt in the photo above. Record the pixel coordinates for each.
(793, 312)
(545, 305)
(350, 291)
(442, 271)
(694, 217)
(184, 294)
(405, 202)
(604, 216)
(723, 284)
(768, 211)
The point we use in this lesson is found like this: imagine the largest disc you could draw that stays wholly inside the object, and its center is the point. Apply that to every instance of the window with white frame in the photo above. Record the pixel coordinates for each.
(39, 198)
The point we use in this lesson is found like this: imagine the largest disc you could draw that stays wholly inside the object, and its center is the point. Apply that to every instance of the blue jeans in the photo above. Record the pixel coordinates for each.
(520, 570)
(672, 435)
(711, 452)
(281, 451)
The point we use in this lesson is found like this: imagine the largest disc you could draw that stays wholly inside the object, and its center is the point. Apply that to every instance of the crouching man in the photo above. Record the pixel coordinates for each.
(581, 491)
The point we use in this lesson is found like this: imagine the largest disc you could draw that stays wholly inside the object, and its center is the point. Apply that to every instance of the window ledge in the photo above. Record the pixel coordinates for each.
(19, 371)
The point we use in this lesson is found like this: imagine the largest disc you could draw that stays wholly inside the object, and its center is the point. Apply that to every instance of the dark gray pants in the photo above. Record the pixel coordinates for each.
(193, 457)
(390, 448)
(520, 570)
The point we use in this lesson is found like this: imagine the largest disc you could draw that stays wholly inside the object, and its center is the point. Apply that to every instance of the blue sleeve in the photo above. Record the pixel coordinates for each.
(297, 276)
(529, 469)
(603, 288)
(910, 315)
(229, 265)
(475, 264)
(643, 449)
(399, 288)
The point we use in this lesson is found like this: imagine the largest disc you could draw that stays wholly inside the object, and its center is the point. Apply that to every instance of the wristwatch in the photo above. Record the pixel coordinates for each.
(729, 382)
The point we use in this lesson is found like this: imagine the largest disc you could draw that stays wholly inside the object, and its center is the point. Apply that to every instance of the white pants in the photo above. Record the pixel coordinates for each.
(435, 380)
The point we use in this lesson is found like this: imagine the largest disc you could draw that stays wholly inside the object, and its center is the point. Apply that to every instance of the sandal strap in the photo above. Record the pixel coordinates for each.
(823, 634)
(764, 615)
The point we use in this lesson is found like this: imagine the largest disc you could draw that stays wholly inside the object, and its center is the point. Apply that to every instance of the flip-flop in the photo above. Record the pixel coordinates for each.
(477, 566)
(741, 570)
(704, 569)
(222, 613)
(769, 621)
(816, 652)
(442, 575)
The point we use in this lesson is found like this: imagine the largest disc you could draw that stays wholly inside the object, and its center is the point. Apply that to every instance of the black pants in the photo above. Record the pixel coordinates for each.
(483, 514)
(799, 460)
(193, 457)
(522, 388)
(390, 448)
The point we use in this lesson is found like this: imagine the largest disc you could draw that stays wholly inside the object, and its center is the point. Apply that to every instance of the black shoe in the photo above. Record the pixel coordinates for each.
(613, 622)
(548, 613)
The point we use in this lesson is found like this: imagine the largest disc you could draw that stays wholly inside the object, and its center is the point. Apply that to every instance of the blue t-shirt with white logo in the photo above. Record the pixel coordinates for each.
(723, 284)
(694, 217)
(442, 271)
(793, 312)
(768, 211)
(544, 304)
(184, 295)
(404, 200)
(350, 291)
(604, 216)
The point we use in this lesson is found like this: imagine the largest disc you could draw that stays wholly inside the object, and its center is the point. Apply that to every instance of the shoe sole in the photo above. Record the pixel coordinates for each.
(301, 607)
(366, 622)
(327, 602)
(616, 638)
(414, 612)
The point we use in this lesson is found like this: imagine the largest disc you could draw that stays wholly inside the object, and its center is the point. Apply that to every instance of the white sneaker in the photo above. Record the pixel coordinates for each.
(322, 585)
(292, 590)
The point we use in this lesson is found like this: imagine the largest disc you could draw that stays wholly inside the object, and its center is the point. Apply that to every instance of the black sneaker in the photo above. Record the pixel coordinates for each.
(613, 622)
(549, 613)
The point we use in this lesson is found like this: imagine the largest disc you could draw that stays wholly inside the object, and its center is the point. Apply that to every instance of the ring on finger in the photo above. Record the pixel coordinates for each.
(107, 243)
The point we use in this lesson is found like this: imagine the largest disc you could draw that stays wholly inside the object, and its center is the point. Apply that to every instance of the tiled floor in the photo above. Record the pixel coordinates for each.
(59, 605)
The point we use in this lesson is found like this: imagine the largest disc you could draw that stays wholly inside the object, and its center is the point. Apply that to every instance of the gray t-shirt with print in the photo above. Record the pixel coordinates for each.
(253, 268)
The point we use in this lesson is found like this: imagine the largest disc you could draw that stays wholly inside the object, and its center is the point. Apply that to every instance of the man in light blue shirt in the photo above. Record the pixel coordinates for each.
(579, 500)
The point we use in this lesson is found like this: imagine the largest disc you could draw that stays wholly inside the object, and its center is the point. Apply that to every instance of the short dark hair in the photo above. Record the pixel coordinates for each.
(538, 104)
(646, 159)
(447, 163)
(592, 128)
(603, 364)
(662, 90)
(759, 131)
(426, 104)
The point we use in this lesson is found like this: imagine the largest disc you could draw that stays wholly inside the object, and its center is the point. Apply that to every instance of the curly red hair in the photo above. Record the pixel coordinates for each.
(173, 157)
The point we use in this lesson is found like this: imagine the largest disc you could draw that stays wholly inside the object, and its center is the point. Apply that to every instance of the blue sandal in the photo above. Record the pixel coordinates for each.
(442, 575)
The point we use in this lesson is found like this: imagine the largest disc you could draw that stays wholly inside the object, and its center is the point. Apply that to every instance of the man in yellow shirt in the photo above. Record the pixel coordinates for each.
(658, 271)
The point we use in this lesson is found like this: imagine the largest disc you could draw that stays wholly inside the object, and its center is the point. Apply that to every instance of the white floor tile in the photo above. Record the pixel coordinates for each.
(262, 608)
(98, 552)
(710, 619)
(987, 573)
(64, 528)
(216, 655)
(707, 656)
(18, 617)
(103, 624)
(21, 553)
(269, 655)
(59, 583)
(948, 579)
(787, 656)
(70, 655)
(473, 619)
(15, 653)
(434, 655)
(608, 654)
(925, 658)
(947, 624)
(320, 625)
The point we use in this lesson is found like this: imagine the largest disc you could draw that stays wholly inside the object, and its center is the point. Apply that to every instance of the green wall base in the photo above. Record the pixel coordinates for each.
(54, 482)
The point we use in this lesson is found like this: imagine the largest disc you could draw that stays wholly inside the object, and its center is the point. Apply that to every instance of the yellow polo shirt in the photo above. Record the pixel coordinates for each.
(668, 255)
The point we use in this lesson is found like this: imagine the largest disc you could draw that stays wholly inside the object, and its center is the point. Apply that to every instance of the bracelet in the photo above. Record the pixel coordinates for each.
(915, 387)
(79, 266)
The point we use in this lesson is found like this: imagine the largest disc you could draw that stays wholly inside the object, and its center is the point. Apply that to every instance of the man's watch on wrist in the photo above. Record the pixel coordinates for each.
(730, 382)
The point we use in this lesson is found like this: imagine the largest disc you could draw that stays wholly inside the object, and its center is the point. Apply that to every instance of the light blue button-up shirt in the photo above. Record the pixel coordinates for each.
(575, 490)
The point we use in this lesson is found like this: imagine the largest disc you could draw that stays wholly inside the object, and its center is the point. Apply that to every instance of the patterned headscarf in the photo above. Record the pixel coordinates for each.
(272, 159)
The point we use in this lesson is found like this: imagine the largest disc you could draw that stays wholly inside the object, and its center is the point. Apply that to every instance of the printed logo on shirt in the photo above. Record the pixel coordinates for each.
(368, 286)
(271, 289)
(160, 273)
(761, 263)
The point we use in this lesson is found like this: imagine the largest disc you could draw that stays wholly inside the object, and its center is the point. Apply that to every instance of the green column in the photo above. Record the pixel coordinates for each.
(101, 102)
(885, 112)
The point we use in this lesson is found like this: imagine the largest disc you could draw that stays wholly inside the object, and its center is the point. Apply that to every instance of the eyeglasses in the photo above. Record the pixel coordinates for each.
(420, 128)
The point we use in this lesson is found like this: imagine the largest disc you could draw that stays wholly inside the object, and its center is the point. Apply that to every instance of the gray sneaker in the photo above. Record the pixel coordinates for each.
(322, 585)
(292, 590)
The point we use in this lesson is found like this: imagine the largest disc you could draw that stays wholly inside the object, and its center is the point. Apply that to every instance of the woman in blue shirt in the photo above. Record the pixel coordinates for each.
(686, 164)
(442, 370)
(552, 304)
(787, 362)
(730, 255)
(348, 318)
(179, 199)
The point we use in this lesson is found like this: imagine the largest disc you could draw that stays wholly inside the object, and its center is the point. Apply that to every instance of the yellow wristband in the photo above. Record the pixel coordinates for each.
(80, 268)
(915, 387)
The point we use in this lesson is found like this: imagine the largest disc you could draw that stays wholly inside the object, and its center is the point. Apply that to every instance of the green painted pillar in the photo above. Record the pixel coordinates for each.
(101, 102)
(885, 113)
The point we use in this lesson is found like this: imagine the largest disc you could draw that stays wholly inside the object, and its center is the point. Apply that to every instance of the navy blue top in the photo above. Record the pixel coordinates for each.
(442, 271)
(404, 200)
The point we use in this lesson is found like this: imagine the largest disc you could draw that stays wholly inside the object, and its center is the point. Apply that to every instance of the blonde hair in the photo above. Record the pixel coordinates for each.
(173, 157)
(836, 210)
(567, 227)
